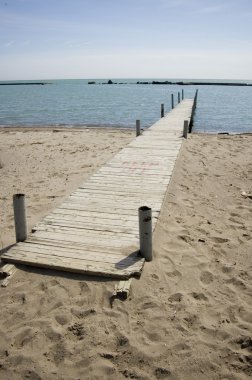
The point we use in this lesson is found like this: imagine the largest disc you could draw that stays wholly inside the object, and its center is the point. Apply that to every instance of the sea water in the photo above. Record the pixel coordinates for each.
(77, 103)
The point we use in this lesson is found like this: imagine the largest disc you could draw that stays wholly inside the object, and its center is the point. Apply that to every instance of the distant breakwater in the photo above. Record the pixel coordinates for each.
(24, 83)
(110, 82)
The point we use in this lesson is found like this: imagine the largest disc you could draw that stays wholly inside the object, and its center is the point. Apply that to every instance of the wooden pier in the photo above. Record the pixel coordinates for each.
(95, 230)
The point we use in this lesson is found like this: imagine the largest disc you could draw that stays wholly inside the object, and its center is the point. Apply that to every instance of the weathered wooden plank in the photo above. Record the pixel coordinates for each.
(101, 215)
(94, 246)
(85, 255)
(129, 229)
(102, 236)
(154, 174)
(82, 227)
(117, 198)
(122, 187)
(155, 169)
(69, 246)
(144, 161)
(85, 203)
(119, 226)
(104, 209)
(110, 190)
(124, 181)
(74, 265)
(111, 184)
(109, 239)
(80, 219)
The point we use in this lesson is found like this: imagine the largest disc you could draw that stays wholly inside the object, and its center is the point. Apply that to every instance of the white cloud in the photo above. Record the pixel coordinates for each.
(9, 43)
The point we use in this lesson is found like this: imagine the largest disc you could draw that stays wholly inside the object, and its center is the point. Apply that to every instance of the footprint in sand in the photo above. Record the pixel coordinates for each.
(29, 374)
(176, 297)
(84, 288)
(219, 240)
(237, 282)
(77, 330)
(226, 269)
(63, 319)
(175, 273)
(24, 337)
(206, 277)
(80, 313)
(191, 320)
(199, 296)
(53, 335)
(154, 277)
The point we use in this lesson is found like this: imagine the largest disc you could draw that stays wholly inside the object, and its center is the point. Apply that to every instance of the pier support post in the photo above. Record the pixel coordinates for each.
(185, 131)
(178, 97)
(172, 101)
(193, 110)
(138, 128)
(162, 110)
(182, 94)
(145, 232)
(195, 98)
(20, 217)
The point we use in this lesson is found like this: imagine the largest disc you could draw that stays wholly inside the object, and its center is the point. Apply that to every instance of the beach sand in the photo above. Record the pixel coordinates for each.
(190, 314)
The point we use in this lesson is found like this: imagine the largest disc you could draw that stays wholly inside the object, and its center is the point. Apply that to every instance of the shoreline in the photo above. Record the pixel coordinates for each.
(189, 315)
(65, 126)
(112, 128)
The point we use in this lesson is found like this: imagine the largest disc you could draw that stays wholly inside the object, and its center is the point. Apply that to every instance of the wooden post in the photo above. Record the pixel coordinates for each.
(185, 131)
(20, 217)
(138, 128)
(162, 110)
(182, 94)
(145, 232)
(193, 111)
(195, 98)
(172, 101)
(178, 97)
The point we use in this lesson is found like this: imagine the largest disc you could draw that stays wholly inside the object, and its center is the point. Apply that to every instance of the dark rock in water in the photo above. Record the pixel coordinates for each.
(166, 82)
(92, 82)
(110, 82)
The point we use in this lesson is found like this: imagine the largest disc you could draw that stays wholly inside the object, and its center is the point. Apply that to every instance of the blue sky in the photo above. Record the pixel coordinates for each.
(47, 39)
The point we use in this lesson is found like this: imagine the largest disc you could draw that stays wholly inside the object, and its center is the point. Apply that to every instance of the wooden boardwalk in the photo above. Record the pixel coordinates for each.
(95, 231)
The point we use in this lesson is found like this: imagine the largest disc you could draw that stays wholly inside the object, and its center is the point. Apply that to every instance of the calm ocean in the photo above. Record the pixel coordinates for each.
(75, 102)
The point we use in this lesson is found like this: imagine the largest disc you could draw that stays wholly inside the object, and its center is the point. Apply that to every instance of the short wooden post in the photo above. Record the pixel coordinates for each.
(172, 101)
(185, 131)
(178, 97)
(20, 217)
(182, 94)
(162, 110)
(138, 128)
(145, 232)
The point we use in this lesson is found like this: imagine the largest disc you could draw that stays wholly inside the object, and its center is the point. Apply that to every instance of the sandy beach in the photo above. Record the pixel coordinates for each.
(189, 316)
